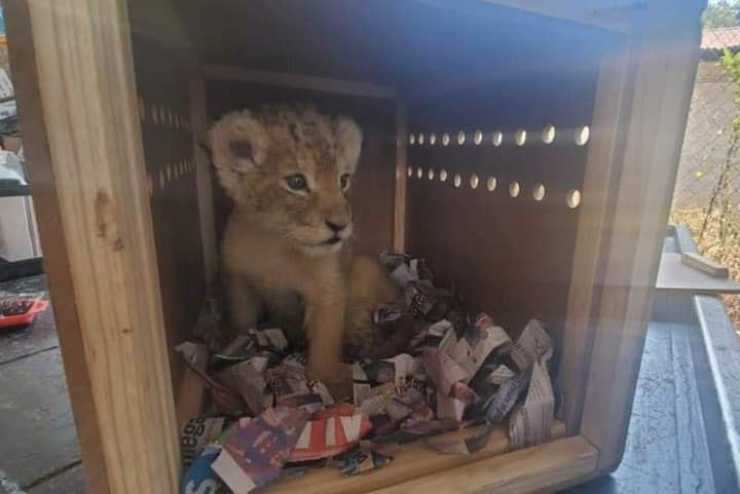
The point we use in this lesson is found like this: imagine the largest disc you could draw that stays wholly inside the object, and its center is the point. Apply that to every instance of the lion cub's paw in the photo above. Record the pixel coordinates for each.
(338, 382)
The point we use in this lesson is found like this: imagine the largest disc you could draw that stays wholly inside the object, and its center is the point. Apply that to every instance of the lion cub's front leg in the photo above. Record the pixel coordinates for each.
(325, 312)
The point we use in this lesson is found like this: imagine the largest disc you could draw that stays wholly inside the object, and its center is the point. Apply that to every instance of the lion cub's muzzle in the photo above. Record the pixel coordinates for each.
(339, 231)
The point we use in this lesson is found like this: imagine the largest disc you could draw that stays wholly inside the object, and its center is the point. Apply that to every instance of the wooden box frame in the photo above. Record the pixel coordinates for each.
(74, 75)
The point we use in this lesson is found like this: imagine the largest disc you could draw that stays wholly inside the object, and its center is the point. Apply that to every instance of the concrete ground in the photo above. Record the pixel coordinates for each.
(38, 450)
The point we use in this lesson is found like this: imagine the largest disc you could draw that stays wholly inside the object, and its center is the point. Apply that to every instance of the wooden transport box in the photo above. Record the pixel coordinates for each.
(556, 125)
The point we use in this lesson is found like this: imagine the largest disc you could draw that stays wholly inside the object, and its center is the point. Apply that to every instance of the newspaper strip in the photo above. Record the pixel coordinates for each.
(199, 478)
(330, 433)
(196, 434)
(254, 453)
(363, 461)
(531, 422)
(477, 343)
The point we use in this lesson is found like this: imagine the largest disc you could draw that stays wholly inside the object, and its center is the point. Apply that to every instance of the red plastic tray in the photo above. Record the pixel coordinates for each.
(37, 305)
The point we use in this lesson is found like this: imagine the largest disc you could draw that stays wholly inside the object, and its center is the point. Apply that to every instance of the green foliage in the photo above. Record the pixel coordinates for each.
(723, 13)
(731, 64)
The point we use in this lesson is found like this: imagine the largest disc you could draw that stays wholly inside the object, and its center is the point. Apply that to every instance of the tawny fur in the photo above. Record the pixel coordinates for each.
(276, 255)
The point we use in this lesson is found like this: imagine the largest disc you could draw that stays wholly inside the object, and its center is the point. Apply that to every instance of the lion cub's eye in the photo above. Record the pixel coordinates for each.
(344, 181)
(297, 182)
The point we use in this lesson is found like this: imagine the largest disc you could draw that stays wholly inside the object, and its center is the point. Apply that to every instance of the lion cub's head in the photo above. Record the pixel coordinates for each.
(290, 169)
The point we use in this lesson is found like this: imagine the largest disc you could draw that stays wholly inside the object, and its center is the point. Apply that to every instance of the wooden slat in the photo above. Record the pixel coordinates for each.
(321, 84)
(56, 260)
(399, 221)
(675, 276)
(614, 15)
(666, 54)
(549, 466)
(108, 276)
(411, 461)
(601, 175)
(199, 123)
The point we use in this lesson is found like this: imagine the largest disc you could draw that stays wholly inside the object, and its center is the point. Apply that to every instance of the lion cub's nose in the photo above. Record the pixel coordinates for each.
(335, 227)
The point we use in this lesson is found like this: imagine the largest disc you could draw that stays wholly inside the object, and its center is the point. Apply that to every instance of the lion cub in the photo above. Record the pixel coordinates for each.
(286, 250)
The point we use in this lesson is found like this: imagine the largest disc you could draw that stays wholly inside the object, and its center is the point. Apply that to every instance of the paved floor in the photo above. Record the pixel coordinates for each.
(38, 450)
(667, 449)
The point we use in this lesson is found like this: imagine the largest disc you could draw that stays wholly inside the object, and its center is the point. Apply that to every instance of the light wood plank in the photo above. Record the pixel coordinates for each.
(548, 466)
(399, 220)
(56, 260)
(321, 84)
(203, 177)
(599, 184)
(613, 15)
(411, 461)
(666, 54)
(86, 85)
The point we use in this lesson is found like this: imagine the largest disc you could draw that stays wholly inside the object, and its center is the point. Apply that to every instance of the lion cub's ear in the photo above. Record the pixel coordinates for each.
(349, 143)
(239, 144)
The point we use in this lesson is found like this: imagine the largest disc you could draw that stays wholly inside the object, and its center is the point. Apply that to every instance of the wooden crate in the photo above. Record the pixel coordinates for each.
(115, 94)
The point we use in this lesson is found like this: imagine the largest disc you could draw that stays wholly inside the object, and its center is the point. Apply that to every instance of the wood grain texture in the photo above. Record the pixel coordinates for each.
(204, 178)
(511, 257)
(297, 81)
(601, 175)
(86, 86)
(665, 53)
(549, 466)
(56, 260)
(615, 15)
(411, 461)
(399, 203)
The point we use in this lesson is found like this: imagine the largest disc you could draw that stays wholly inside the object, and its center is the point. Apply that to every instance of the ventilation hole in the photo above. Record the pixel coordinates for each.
(443, 175)
(412, 139)
(155, 114)
(411, 171)
(539, 192)
(178, 121)
(421, 139)
(478, 137)
(430, 174)
(491, 184)
(461, 138)
(419, 172)
(573, 198)
(498, 138)
(168, 173)
(458, 180)
(582, 135)
(520, 137)
(445, 139)
(172, 118)
(161, 179)
(514, 189)
(548, 134)
(142, 109)
(432, 139)
(474, 181)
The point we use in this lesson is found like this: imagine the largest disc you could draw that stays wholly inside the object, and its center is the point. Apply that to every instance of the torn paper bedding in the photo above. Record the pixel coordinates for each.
(448, 371)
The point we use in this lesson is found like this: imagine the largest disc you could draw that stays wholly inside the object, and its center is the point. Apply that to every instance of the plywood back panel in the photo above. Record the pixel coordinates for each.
(164, 113)
(372, 193)
(509, 256)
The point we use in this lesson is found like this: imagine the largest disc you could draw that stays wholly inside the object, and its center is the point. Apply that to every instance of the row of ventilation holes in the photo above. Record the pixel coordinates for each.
(572, 199)
(169, 173)
(581, 137)
(162, 116)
